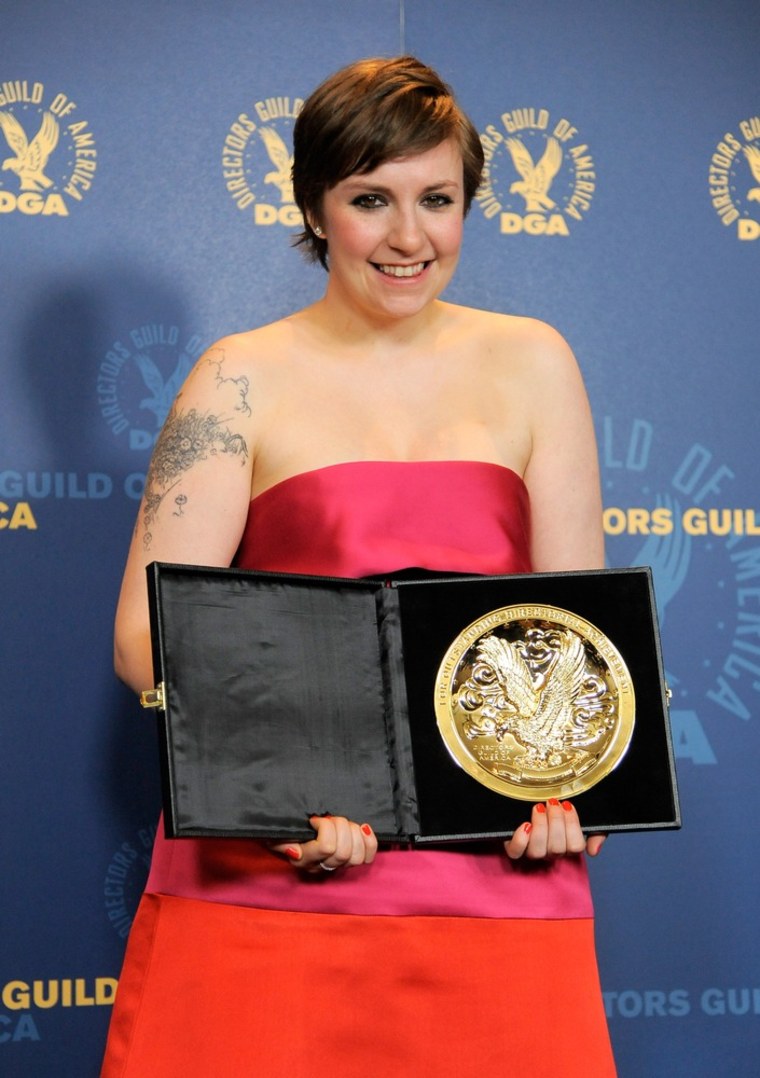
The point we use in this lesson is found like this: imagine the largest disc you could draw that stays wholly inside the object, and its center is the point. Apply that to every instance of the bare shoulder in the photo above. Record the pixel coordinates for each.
(243, 355)
(253, 346)
(516, 345)
(229, 376)
(536, 344)
(507, 331)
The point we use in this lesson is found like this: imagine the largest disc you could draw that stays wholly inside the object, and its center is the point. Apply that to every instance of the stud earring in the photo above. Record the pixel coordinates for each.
(317, 231)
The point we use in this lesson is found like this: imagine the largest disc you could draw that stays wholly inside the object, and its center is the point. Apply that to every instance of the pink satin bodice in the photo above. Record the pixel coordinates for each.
(372, 517)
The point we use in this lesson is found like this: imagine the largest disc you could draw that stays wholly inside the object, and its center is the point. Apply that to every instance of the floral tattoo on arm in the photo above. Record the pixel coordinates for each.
(216, 359)
(186, 439)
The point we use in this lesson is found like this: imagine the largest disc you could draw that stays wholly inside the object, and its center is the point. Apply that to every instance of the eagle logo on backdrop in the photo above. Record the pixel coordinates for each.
(539, 176)
(51, 158)
(139, 377)
(282, 160)
(162, 390)
(536, 178)
(257, 159)
(752, 153)
(734, 179)
(30, 158)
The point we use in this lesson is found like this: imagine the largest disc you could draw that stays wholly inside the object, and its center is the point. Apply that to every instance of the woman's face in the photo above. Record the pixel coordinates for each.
(394, 234)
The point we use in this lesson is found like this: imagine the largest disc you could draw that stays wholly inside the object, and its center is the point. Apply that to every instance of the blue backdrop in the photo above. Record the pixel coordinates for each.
(142, 225)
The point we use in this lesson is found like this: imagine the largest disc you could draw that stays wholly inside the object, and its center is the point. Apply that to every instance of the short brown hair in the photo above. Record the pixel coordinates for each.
(370, 112)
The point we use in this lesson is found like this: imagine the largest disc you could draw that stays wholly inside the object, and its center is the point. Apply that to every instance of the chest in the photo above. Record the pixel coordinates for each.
(449, 411)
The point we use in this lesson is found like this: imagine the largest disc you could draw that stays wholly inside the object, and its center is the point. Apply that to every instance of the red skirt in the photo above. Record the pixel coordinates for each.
(211, 989)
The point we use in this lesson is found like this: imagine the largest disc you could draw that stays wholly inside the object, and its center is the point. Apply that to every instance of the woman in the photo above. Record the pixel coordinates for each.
(333, 442)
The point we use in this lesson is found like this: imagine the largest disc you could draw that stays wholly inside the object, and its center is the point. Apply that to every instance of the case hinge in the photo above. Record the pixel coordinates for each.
(153, 697)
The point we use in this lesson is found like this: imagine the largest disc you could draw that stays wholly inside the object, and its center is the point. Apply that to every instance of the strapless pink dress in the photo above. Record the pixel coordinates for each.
(428, 962)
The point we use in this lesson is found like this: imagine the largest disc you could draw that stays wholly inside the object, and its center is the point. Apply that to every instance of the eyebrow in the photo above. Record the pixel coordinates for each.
(378, 188)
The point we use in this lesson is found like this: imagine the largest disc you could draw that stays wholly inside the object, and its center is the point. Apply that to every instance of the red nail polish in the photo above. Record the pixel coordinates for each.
(567, 806)
(527, 828)
(293, 853)
(541, 807)
(366, 829)
(553, 801)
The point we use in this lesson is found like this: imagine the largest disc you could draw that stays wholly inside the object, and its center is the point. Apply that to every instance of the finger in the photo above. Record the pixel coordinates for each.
(307, 855)
(518, 844)
(364, 844)
(539, 833)
(357, 845)
(329, 844)
(354, 844)
(341, 839)
(594, 844)
(575, 840)
(338, 842)
(556, 843)
(369, 841)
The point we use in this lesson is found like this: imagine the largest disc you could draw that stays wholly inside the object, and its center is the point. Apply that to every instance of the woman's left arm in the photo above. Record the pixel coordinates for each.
(562, 477)
(562, 474)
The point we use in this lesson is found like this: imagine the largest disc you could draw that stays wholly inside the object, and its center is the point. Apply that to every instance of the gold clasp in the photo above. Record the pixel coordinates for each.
(153, 697)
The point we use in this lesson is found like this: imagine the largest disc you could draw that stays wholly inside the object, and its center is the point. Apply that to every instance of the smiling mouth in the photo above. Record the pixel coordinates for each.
(401, 271)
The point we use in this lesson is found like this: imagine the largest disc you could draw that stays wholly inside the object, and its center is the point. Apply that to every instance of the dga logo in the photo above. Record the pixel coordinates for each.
(139, 378)
(257, 158)
(50, 156)
(734, 179)
(539, 175)
(678, 524)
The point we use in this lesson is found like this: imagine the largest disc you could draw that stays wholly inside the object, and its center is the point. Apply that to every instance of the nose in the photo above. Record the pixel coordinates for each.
(406, 233)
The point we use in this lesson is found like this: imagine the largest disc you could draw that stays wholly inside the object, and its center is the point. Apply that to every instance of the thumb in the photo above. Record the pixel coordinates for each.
(594, 844)
(293, 851)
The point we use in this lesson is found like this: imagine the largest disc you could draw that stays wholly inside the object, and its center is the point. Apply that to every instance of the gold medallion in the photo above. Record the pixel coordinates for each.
(535, 702)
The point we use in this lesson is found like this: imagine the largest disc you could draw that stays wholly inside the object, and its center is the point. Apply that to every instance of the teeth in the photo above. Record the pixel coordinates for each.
(403, 271)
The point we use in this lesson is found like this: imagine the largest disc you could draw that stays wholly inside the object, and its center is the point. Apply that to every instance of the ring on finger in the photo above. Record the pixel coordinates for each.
(326, 868)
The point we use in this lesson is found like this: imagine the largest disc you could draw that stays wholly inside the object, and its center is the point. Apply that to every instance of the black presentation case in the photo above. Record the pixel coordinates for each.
(284, 696)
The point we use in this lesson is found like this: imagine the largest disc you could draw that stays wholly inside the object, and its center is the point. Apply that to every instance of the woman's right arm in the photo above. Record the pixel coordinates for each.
(193, 512)
(197, 494)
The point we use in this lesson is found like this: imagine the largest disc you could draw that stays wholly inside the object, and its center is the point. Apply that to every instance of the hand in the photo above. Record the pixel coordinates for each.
(339, 843)
(554, 830)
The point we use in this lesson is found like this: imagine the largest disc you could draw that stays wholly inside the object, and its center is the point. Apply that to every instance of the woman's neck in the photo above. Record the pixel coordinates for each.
(341, 326)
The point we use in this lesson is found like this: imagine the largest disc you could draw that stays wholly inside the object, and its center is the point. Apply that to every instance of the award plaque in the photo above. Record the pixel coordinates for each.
(435, 708)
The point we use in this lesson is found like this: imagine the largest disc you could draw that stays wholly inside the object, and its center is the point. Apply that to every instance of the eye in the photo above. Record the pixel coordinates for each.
(435, 201)
(368, 201)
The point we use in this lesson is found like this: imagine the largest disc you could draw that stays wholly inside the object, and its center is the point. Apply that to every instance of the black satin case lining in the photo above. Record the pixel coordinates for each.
(399, 742)
(296, 717)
